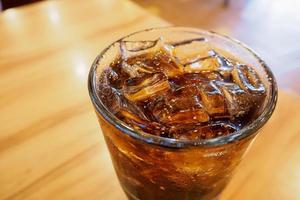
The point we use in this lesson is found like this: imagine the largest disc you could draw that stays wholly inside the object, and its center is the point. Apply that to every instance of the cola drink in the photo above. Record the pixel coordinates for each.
(176, 112)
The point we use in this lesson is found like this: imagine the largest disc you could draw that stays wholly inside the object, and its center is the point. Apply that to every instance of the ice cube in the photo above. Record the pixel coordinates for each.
(149, 58)
(213, 76)
(108, 76)
(133, 108)
(224, 62)
(213, 99)
(142, 88)
(189, 51)
(136, 48)
(225, 67)
(196, 79)
(185, 79)
(133, 120)
(137, 68)
(142, 67)
(164, 61)
(238, 101)
(181, 106)
(209, 63)
(130, 69)
(110, 97)
(247, 79)
(129, 49)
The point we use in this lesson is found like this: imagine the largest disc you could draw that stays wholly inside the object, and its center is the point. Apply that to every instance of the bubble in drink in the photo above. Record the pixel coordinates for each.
(199, 96)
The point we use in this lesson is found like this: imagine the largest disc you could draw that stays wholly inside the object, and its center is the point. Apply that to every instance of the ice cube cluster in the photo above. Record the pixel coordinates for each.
(154, 89)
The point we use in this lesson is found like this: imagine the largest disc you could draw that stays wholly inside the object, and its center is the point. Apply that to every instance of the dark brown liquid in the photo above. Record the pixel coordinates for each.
(199, 98)
(162, 90)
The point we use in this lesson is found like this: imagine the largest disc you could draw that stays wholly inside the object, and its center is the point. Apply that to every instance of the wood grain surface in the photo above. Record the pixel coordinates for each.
(51, 146)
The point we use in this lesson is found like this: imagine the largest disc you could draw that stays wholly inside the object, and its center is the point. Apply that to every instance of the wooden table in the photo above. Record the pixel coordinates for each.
(51, 145)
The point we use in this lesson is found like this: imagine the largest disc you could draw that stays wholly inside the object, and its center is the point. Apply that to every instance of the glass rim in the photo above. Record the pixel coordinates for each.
(246, 131)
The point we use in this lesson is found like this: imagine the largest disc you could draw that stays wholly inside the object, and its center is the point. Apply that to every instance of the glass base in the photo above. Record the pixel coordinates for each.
(132, 197)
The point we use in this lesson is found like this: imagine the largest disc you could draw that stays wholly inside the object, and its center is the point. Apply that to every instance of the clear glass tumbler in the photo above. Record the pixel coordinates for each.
(150, 167)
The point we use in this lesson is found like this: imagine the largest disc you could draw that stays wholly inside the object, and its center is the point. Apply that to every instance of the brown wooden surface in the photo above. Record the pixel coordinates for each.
(51, 145)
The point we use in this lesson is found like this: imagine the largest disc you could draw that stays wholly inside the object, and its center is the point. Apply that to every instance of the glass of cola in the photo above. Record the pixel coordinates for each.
(178, 108)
